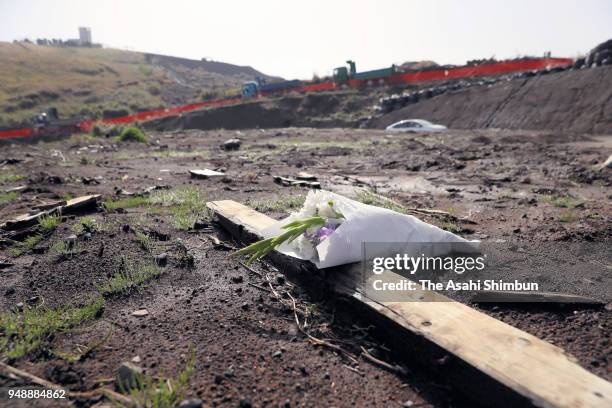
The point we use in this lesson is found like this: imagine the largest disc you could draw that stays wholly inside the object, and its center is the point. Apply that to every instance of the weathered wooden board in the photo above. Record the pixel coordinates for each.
(26, 220)
(523, 370)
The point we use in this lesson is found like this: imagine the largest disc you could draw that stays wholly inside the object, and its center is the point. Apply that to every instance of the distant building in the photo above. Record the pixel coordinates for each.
(85, 36)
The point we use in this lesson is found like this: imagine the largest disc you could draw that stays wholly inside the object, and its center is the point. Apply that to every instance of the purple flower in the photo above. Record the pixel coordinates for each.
(325, 232)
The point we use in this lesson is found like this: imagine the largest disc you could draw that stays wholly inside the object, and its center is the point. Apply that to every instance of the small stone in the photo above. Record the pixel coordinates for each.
(245, 306)
(277, 354)
(245, 403)
(407, 404)
(199, 224)
(136, 359)
(71, 240)
(87, 236)
(229, 373)
(140, 313)
(231, 144)
(19, 306)
(161, 259)
(127, 376)
(191, 403)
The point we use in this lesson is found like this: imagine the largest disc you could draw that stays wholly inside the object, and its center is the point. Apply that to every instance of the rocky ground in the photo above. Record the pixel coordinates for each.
(146, 277)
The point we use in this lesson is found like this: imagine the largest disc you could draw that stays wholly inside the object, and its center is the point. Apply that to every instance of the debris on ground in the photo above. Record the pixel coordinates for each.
(290, 182)
(231, 144)
(205, 173)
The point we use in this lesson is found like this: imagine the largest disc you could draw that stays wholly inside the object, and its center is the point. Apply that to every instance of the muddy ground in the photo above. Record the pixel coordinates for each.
(498, 185)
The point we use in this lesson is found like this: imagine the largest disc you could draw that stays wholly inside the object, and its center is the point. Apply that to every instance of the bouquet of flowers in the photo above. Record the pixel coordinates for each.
(330, 229)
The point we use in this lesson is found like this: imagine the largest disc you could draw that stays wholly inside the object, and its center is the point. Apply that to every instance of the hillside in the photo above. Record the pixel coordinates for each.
(101, 81)
(574, 100)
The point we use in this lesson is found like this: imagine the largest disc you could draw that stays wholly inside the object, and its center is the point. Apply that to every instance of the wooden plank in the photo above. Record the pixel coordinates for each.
(205, 173)
(26, 220)
(523, 369)
(503, 296)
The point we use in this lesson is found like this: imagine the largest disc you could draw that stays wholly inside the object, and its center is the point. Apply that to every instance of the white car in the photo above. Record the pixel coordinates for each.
(415, 125)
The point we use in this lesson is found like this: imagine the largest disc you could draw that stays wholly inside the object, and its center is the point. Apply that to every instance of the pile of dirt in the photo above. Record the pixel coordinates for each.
(574, 100)
(324, 110)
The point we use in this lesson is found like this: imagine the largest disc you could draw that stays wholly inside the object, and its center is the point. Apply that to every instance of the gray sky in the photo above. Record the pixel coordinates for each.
(294, 38)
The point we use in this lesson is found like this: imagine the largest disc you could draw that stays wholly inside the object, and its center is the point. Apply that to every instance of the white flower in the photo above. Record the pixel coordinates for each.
(326, 210)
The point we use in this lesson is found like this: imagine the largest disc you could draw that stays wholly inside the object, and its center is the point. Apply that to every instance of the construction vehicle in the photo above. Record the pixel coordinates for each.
(259, 87)
(342, 74)
(48, 123)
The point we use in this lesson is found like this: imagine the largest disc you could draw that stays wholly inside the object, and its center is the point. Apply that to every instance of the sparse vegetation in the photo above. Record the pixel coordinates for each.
(371, 198)
(186, 205)
(145, 241)
(568, 216)
(30, 330)
(451, 227)
(82, 350)
(133, 134)
(282, 204)
(161, 392)
(27, 245)
(86, 224)
(63, 249)
(10, 178)
(6, 198)
(166, 154)
(49, 222)
(130, 278)
(130, 202)
(561, 201)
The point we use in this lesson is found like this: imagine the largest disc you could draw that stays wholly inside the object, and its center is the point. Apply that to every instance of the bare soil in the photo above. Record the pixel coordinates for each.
(247, 345)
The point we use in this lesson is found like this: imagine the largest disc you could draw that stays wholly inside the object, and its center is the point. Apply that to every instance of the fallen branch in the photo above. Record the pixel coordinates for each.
(108, 393)
(393, 368)
(313, 339)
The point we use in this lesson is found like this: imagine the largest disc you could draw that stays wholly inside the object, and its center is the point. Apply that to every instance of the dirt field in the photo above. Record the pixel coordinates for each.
(204, 309)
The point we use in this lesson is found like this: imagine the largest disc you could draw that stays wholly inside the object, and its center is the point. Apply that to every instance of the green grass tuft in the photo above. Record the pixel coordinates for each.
(451, 227)
(30, 330)
(283, 204)
(130, 278)
(145, 241)
(49, 222)
(133, 134)
(377, 200)
(10, 178)
(160, 393)
(186, 205)
(63, 249)
(568, 216)
(561, 201)
(131, 202)
(27, 245)
(85, 224)
(6, 198)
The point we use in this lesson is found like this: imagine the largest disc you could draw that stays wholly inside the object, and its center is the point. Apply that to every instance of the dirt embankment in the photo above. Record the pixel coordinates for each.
(342, 109)
(577, 101)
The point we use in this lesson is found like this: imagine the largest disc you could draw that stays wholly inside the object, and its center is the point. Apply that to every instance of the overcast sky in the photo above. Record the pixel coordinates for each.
(296, 38)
